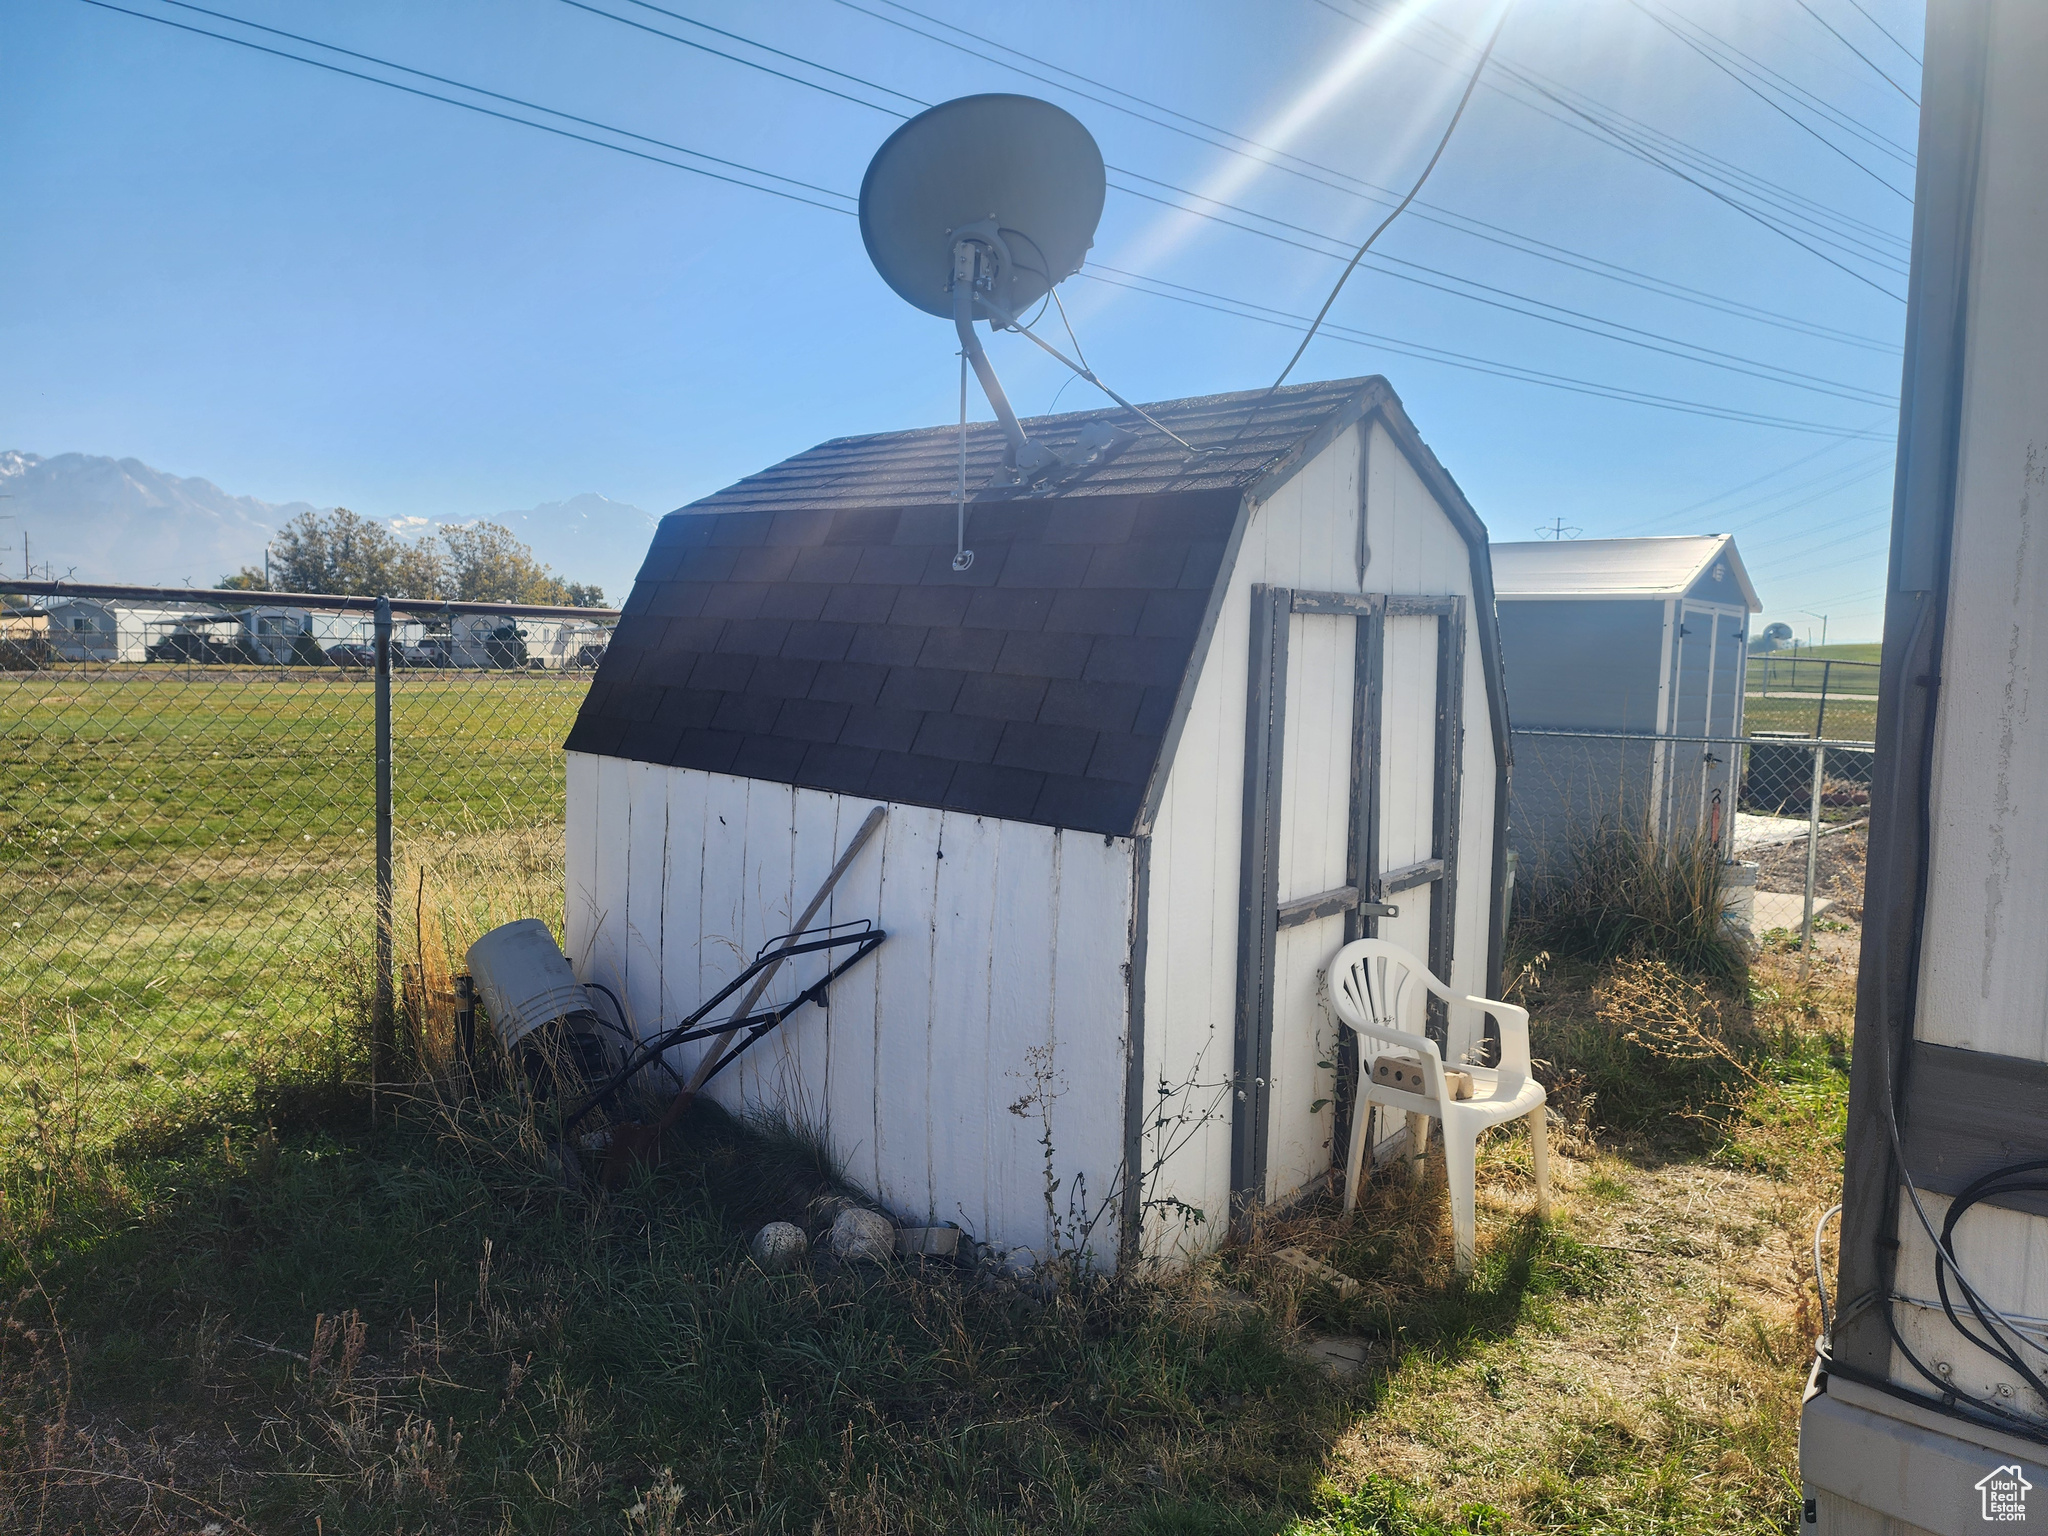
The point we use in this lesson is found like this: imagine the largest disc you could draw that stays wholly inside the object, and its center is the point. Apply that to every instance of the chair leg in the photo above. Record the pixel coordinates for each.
(1460, 1160)
(1354, 1155)
(1539, 1157)
(1418, 1145)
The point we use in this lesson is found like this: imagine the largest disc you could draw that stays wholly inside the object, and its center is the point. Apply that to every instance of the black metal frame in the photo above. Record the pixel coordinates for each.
(1363, 897)
(863, 934)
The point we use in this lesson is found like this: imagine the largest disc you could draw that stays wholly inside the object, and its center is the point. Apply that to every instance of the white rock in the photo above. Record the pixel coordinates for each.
(778, 1246)
(861, 1237)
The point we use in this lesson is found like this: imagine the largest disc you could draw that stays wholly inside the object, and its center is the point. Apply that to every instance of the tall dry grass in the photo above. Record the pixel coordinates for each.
(451, 892)
(1622, 891)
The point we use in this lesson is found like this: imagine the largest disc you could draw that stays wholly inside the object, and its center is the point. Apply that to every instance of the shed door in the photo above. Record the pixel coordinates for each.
(1354, 733)
(1707, 685)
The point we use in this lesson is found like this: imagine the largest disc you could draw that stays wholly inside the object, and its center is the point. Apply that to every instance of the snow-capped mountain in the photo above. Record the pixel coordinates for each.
(92, 518)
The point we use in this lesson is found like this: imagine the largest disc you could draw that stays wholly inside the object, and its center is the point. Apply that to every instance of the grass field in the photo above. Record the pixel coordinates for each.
(187, 863)
(1850, 719)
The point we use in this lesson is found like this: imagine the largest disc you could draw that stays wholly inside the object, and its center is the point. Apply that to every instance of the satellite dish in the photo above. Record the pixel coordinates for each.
(977, 209)
(1016, 175)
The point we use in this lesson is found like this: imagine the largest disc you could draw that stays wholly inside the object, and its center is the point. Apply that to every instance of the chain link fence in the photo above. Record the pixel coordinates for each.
(1793, 693)
(190, 830)
(1742, 794)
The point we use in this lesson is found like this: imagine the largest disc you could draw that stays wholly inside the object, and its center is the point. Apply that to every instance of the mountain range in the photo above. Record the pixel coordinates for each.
(90, 518)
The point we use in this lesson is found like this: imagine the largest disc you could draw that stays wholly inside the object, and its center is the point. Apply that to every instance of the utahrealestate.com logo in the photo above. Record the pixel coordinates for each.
(2004, 1490)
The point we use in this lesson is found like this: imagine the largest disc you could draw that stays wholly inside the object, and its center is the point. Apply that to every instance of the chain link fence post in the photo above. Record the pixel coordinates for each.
(1820, 755)
(381, 1024)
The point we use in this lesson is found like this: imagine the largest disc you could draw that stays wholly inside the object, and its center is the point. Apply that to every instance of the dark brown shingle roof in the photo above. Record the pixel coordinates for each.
(806, 626)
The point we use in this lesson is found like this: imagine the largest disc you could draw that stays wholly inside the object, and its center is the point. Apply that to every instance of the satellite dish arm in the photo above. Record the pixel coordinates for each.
(966, 262)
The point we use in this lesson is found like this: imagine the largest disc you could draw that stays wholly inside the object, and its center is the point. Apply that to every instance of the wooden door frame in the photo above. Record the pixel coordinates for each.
(1362, 899)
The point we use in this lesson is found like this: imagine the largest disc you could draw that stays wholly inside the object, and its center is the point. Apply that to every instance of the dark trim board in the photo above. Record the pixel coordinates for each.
(1258, 893)
(1924, 494)
(1132, 1215)
(1968, 1112)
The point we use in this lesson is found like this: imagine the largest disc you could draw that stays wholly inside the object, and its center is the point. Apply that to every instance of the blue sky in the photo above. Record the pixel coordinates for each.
(305, 286)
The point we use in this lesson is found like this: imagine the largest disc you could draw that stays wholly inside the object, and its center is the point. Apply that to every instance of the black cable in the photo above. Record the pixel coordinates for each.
(1866, 58)
(470, 106)
(1357, 256)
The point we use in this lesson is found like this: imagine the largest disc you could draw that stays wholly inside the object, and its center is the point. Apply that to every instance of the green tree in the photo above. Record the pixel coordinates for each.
(487, 564)
(341, 553)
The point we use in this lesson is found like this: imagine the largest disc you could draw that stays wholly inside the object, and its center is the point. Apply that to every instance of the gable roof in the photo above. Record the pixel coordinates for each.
(805, 625)
(1658, 567)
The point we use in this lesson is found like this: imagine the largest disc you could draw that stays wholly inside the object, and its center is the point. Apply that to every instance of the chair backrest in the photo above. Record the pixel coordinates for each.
(1378, 989)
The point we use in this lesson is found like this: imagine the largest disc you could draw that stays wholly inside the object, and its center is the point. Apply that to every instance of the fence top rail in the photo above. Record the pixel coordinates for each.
(235, 597)
(1652, 738)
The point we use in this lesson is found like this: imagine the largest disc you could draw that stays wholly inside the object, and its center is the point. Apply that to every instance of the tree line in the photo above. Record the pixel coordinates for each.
(338, 552)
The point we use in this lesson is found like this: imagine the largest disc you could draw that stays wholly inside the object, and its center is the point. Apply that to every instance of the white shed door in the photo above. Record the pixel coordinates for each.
(1355, 720)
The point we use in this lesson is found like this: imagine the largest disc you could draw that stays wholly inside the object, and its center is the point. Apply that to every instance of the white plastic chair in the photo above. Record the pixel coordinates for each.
(1372, 985)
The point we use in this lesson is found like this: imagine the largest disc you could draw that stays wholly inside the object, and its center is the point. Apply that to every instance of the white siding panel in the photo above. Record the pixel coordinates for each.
(646, 874)
(1304, 1035)
(850, 1100)
(682, 899)
(904, 970)
(605, 958)
(962, 953)
(1021, 1033)
(579, 906)
(1001, 959)
(721, 951)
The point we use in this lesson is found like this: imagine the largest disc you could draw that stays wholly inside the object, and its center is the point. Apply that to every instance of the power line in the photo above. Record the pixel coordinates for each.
(1786, 85)
(1607, 117)
(1245, 309)
(1909, 53)
(1866, 58)
(1803, 127)
(1372, 192)
(470, 106)
(1650, 340)
(1631, 143)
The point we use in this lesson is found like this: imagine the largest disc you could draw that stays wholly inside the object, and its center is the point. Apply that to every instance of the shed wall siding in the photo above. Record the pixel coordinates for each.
(1987, 885)
(1307, 537)
(990, 1026)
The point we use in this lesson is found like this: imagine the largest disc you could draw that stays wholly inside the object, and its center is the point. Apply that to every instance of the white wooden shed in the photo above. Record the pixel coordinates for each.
(1186, 725)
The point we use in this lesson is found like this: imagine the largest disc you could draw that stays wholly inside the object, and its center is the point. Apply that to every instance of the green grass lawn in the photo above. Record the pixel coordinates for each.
(1850, 719)
(187, 858)
(300, 1322)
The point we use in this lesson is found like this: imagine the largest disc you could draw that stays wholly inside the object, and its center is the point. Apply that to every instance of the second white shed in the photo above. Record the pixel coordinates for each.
(1185, 725)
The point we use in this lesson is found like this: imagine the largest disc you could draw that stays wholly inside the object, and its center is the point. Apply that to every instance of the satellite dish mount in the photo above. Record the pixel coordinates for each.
(977, 209)
(980, 258)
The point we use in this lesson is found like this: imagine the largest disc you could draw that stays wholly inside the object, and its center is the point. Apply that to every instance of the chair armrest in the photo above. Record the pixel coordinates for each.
(1514, 1031)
